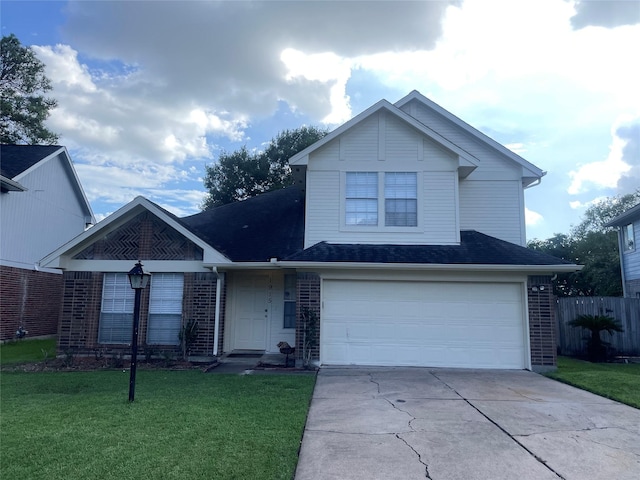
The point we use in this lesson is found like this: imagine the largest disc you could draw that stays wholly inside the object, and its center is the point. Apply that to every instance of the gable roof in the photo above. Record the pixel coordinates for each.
(625, 217)
(16, 161)
(417, 96)
(270, 225)
(467, 160)
(475, 249)
(60, 257)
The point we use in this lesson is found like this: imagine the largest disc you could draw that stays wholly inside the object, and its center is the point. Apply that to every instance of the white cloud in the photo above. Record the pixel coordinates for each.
(532, 218)
(603, 173)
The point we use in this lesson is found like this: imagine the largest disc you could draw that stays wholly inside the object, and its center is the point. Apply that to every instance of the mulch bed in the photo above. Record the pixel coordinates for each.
(88, 364)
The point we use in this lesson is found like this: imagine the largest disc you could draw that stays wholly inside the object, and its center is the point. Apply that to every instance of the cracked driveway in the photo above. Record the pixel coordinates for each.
(442, 424)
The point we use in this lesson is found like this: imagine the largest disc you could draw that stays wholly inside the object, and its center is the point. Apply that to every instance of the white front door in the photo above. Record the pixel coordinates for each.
(250, 312)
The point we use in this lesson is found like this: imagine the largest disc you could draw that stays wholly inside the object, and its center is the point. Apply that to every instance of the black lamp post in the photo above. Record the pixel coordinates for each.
(139, 280)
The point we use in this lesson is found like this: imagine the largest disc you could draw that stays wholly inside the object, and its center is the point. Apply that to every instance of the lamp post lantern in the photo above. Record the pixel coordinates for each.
(138, 279)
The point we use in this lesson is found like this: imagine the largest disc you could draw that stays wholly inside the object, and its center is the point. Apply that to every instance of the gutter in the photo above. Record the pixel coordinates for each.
(561, 268)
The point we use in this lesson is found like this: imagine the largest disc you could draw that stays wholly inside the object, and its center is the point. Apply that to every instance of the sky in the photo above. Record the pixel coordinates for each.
(150, 92)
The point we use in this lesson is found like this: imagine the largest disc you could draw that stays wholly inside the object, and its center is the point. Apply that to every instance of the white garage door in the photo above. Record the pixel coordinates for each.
(439, 324)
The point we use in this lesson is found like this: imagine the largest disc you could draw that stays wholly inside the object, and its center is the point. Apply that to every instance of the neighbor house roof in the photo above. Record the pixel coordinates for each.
(625, 217)
(16, 161)
(475, 249)
(270, 225)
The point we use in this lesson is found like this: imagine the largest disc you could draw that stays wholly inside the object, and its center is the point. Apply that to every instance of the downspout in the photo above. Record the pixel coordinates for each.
(216, 329)
(621, 256)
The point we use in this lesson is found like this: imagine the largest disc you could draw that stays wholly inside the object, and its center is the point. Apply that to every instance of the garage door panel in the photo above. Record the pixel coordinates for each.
(474, 325)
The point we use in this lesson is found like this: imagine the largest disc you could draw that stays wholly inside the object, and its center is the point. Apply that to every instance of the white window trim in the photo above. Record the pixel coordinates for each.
(380, 228)
(628, 247)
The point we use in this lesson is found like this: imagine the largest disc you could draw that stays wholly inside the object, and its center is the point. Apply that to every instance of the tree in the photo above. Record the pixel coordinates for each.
(242, 174)
(593, 245)
(23, 105)
(596, 347)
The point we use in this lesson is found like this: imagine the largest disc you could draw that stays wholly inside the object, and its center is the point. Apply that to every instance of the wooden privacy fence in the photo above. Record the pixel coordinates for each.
(571, 340)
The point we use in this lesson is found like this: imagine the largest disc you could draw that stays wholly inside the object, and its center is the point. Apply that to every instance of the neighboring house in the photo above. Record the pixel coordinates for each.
(42, 206)
(404, 236)
(628, 224)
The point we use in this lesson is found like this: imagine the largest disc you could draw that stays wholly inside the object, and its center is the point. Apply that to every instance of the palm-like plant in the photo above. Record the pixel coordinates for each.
(596, 347)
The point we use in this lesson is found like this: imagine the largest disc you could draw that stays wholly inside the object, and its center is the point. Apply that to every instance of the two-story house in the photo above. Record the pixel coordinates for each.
(628, 224)
(42, 206)
(403, 238)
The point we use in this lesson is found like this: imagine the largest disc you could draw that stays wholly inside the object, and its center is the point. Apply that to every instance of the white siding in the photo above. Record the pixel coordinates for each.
(41, 219)
(382, 143)
(493, 208)
(493, 165)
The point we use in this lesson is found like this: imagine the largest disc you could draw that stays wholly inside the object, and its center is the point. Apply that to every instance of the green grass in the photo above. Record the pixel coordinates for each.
(183, 424)
(616, 381)
(27, 351)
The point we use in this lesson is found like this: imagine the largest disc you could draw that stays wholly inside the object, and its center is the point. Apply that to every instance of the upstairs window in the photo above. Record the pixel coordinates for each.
(361, 198)
(401, 199)
(628, 239)
(165, 309)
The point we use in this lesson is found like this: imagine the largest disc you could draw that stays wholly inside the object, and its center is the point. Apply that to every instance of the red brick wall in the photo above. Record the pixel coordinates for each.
(31, 299)
(199, 304)
(308, 296)
(80, 317)
(542, 327)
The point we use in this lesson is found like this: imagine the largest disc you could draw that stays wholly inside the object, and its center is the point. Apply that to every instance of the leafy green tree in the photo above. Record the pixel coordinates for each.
(593, 245)
(243, 174)
(596, 347)
(23, 105)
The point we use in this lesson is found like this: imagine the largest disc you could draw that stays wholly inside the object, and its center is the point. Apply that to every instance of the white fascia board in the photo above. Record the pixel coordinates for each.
(61, 257)
(151, 266)
(540, 269)
(11, 185)
(302, 158)
(528, 166)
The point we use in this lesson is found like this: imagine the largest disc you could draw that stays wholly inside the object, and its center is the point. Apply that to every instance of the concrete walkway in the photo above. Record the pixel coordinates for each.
(441, 424)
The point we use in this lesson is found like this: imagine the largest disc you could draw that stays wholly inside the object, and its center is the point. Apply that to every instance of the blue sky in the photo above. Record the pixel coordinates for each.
(150, 92)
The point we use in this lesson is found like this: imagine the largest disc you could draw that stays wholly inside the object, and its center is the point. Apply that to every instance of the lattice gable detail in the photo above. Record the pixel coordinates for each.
(143, 237)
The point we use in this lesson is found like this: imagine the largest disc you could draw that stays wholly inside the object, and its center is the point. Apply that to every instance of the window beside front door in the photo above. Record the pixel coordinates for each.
(290, 300)
(165, 309)
(628, 240)
(116, 313)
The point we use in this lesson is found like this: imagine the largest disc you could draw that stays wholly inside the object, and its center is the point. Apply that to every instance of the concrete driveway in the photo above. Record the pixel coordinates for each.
(442, 424)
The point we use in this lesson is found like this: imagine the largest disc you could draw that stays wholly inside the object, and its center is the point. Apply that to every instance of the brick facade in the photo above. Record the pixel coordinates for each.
(308, 297)
(81, 305)
(542, 326)
(30, 299)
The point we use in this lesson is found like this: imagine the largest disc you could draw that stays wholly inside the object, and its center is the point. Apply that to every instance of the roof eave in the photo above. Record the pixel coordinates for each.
(558, 268)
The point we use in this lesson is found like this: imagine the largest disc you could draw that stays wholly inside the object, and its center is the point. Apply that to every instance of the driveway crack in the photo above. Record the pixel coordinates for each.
(536, 457)
(426, 467)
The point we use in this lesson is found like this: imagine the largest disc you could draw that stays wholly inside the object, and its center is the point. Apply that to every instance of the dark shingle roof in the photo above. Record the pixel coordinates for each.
(254, 230)
(475, 249)
(15, 159)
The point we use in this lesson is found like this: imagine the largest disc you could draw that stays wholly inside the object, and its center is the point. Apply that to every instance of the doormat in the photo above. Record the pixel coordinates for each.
(245, 355)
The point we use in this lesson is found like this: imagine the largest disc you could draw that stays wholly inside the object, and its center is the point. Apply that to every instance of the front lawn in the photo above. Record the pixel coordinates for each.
(182, 425)
(27, 351)
(616, 381)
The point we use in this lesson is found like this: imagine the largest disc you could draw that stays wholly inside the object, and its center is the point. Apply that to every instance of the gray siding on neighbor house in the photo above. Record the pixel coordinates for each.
(631, 259)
